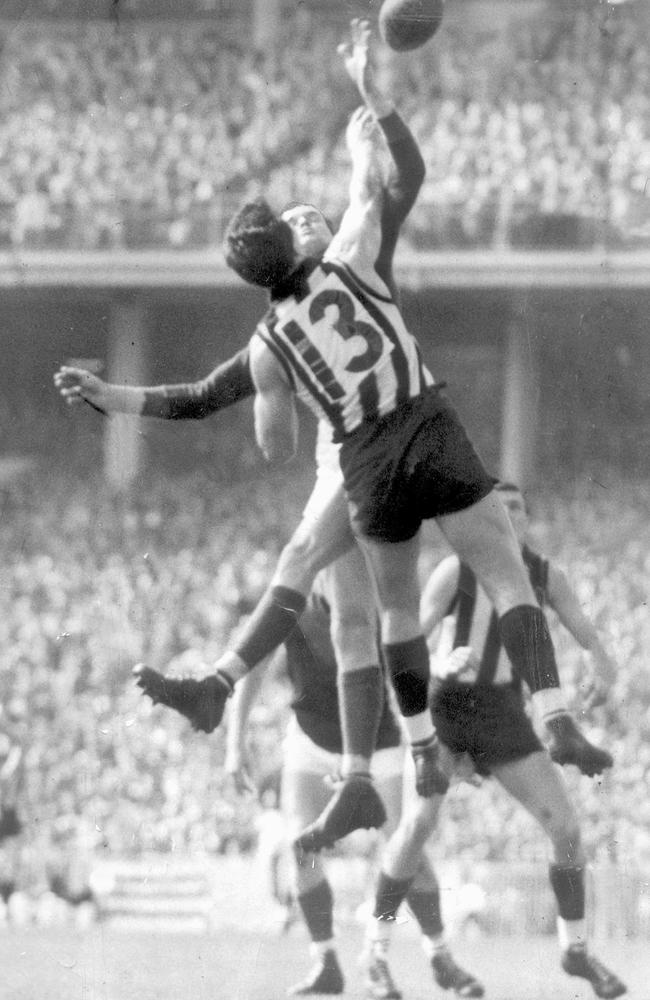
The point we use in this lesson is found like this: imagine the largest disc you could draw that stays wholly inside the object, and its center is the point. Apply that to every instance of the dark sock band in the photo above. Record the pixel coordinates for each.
(408, 666)
(425, 907)
(271, 623)
(317, 907)
(568, 884)
(389, 896)
(361, 702)
(527, 641)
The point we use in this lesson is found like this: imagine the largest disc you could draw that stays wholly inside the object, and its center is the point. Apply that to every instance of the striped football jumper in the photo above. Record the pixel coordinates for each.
(345, 348)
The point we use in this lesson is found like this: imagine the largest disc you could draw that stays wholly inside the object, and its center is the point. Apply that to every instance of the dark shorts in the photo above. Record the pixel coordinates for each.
(414, 464)
(488, 722)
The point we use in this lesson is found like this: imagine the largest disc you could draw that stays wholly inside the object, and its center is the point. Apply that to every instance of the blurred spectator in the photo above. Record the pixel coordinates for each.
(146, 135)
(91, 585)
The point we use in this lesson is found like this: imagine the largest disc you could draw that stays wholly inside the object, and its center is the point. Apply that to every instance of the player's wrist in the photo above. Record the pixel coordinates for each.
(380, 105)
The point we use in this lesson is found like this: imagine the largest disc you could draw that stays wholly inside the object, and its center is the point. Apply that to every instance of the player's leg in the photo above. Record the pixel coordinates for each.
(355, 804)
(394, 569)
(323, 534)
(319, 538)
(400, 864)
(304, 796)
(483, 537)
(538, 786)
(353, 628)
(423, 899)
(423, 894)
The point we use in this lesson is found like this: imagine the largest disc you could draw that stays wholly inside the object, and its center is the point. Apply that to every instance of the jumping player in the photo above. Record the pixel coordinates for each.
(478, 709)
(325, 530)
(312, 752)
(334, 336)
(325, 520)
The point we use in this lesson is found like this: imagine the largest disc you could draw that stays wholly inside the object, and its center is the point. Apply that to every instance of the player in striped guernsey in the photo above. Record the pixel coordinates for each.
(387, 370)
(400, 465)
(476, 626)
(324, 528)
(324, 532)
(478, 709)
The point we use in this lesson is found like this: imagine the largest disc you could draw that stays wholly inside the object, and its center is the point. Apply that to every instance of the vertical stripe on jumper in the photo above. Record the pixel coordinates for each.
(346, 347)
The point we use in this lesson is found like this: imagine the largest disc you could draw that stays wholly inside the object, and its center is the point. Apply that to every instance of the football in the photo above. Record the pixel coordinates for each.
(408, 24)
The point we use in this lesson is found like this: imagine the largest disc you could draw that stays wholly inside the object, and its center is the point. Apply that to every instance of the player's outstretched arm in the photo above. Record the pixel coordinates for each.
(358, 239)
(276, 420)
(77, 385)
(227, 384)
(565, 603)
(358, 64)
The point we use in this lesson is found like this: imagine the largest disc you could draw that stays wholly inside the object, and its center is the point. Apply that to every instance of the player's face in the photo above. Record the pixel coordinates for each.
(516, 508)
(311, 233)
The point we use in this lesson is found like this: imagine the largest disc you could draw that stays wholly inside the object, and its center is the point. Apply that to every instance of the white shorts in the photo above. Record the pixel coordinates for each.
(301, 755)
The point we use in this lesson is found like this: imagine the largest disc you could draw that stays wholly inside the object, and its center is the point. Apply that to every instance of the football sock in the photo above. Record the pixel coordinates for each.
(408, 667)
(271, 622)
(527, 641)
(549, 703)
(433, 945)
(361, 701)
(425, 907)
(419, 728)
(571, 933)
(568, 884)
(390, 894)
(319, 948)
(231, 667)
(317, 907)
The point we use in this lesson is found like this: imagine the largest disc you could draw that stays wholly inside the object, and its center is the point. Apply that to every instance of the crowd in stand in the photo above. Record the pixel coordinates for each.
(91, 585)
(148, 134)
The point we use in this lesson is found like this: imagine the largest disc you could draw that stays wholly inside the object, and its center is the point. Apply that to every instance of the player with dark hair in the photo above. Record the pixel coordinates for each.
(312, 752)
(324, 532)
(334, 336)
(478, 710)
(325, 528)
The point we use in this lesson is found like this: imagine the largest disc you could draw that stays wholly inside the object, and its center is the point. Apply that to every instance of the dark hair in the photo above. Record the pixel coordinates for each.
(259, 245)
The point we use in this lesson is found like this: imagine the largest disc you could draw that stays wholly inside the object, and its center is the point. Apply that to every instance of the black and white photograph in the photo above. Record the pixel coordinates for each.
(325, 499)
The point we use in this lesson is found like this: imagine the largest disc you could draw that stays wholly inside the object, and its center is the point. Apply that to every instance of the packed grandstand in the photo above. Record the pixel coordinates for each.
(147, 133)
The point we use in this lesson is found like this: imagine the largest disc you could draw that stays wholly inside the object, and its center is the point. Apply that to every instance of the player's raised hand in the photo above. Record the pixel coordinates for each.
(356, 55)
(362, 128)
(356, 59)
(77, 385)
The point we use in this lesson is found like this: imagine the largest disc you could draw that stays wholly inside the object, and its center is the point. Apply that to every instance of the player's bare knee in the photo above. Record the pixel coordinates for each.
(300, 561)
